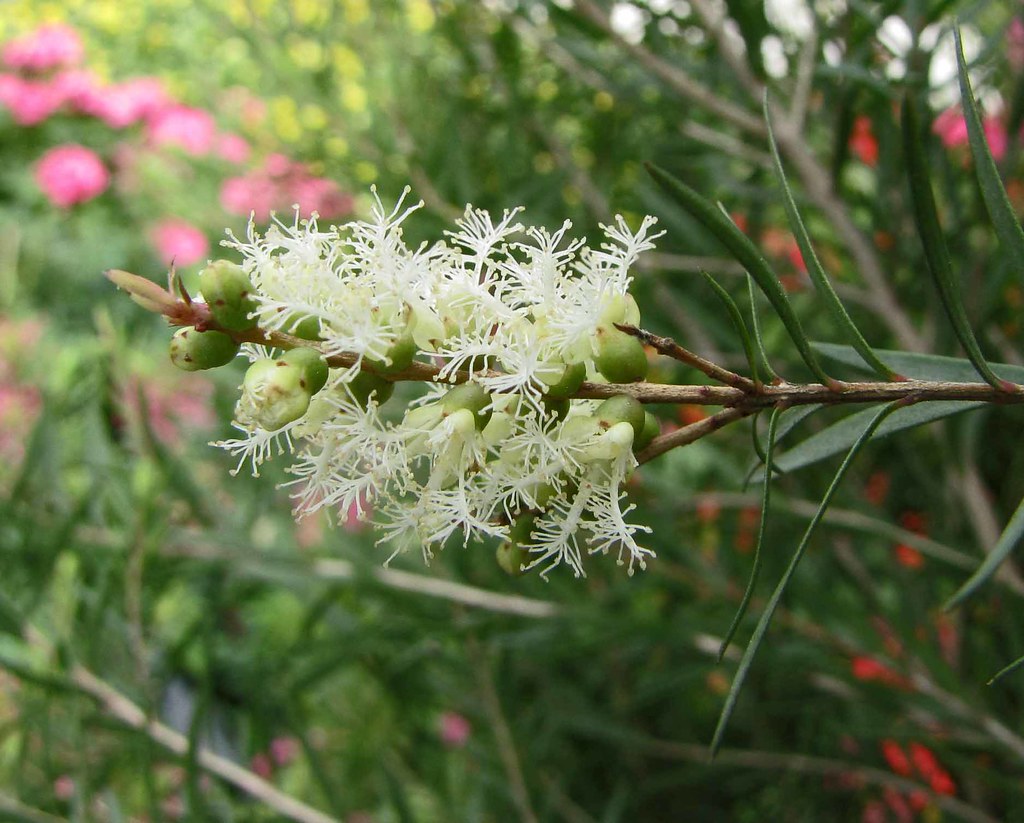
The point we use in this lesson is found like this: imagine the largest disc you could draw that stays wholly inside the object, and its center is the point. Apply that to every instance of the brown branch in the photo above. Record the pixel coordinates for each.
(691, 433)
(670, 348)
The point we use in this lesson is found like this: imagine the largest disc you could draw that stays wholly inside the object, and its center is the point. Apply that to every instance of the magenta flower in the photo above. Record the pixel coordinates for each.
(190, 129)
(280, 185)
(454, 730)
(232, 148)
(71, 174)
(179, 243)
(951, 128)
(30, 101)
(124, 104)
(46, 48)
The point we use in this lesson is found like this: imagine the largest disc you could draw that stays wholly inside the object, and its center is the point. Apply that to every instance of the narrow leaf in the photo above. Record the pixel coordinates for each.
(773, 602)
(921, 366)
(1016, 664)
(814, 267)
(740, 246)
(935, 252)
(756, 325)
(1006, 543)
(843, 433)
(1004, 219)
(773, 423)
(737, 321)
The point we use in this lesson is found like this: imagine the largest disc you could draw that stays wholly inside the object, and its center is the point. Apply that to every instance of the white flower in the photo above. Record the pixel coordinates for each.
(508, 306)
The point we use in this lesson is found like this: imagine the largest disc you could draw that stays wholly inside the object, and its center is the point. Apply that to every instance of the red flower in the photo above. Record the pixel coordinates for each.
(896, 757)
(863, 142)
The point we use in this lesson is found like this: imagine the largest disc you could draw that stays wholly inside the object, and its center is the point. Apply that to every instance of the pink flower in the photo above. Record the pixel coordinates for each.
(454, 730)
(283, 750)
(280, 185)
(30, 101)
(951, 127)
(46, 48)
(71, 174)
(77, 87)
(260, 765)
(243, 195)
(1015, 44)
(192, 130)
(124, 104)
(179, 243)
(64, 787)
(232, 148)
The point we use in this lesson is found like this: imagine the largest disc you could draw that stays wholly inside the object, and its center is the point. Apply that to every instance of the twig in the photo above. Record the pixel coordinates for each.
(804, 82)
(124, 710)
(681, 82)
(670, 348)
(691, 433)
(726, 143)
(817, 183)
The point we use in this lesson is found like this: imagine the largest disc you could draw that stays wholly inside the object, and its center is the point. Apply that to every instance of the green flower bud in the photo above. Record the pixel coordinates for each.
(621, 409)
(273, 394)
(621, 308)
(651, 429)
(314, 367)
(620, 357)
(557, 407)
(511, 558)
(568, 382)
(511, 555)
(399, 356)
(193, 350)
(308, 327)
(366, 383)
(468, 396)
(229, 294)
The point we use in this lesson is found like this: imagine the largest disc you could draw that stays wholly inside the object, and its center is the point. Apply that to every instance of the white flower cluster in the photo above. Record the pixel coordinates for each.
(517, 317)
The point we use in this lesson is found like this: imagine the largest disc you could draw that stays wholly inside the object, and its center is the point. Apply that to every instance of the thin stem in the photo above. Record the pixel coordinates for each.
(670, 348)
(691, 433)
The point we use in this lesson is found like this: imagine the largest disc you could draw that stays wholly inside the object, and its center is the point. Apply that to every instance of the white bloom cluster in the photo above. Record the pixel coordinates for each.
(517, 317)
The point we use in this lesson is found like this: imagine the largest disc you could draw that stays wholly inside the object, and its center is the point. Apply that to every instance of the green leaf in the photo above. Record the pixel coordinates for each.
(1016, 664)
(741, 247)
(1004, 219)
(935, 252)
(920, 366)
(773, 603)
(842, 434)
(737, 321)
(756, 325)
(773, 423)
(814, 267)
(1006, 543)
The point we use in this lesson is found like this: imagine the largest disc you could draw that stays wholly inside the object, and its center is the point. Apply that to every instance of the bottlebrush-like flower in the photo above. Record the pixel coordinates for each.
(515, 316)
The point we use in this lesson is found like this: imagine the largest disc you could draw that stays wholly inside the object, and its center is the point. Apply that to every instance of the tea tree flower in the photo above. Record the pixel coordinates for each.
(517, 317)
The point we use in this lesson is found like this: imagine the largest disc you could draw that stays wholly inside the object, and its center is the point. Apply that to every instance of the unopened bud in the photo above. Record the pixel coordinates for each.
(314, 368)
(272, 394)
(651, 429)
(469, 396)
(193, 350)
(568, 382)
(366, 383)
(621, 409)
(399, 356)
(620, 357)
(229, 293)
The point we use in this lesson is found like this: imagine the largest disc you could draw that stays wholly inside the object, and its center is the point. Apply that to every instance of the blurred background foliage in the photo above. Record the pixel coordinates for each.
(129, 554)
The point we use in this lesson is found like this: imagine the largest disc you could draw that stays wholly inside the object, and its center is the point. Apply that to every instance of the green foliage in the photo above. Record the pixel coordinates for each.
(458, 692)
